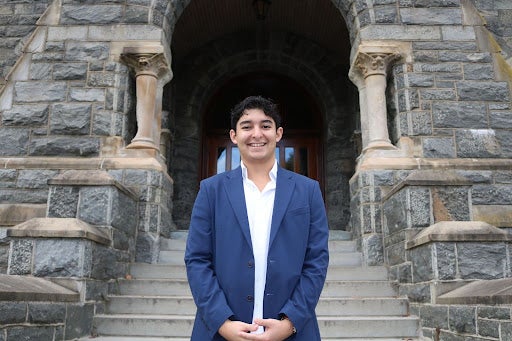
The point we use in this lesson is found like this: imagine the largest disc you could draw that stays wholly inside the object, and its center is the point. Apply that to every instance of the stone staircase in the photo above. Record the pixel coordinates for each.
(357, 303)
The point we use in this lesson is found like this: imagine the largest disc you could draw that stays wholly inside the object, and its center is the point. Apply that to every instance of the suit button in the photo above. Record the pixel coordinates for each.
(250, 264)
(250, 298)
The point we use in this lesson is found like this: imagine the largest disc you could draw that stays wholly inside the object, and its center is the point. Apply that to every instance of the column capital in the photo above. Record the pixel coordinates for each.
(375, 63)
(153, 64)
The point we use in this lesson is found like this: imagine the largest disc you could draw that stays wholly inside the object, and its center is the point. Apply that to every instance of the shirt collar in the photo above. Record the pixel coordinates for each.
(272, 173)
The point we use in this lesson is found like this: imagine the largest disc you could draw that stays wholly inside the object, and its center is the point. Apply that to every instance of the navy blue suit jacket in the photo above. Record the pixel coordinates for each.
(220, 261)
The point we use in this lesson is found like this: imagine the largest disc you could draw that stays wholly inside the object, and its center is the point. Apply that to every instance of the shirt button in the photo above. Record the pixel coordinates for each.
(250, 264)
(249, 298)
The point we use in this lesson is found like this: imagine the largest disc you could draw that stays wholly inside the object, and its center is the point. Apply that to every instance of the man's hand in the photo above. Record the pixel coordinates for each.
(232, 330)
(275, 330)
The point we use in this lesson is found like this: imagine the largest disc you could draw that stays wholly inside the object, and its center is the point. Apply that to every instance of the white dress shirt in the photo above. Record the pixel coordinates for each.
(260, 206)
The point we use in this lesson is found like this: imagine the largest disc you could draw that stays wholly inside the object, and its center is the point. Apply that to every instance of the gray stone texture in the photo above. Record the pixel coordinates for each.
(459, 115)
(14, 142)
(32, 91)
(26, 115)
(477, 143)
(438, 147)
(462, 319)
(79, 320)
(70, 119)
(21, 257)
(46, 313)
(12, 312)
(64, 146)
(62, 258)
(482, 260)
(434, 316)
(31, 333)
(63, 202)
(483, 91)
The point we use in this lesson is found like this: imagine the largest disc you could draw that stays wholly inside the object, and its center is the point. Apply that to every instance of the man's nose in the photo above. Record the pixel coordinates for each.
(257, 132)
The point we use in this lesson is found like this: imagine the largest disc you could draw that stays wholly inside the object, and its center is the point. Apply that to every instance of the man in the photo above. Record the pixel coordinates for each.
(257, 252)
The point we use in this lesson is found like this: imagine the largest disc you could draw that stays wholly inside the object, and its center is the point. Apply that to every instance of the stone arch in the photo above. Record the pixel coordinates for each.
(214, 63)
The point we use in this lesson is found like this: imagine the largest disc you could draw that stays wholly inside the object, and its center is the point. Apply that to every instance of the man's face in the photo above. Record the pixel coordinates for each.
(256, 136)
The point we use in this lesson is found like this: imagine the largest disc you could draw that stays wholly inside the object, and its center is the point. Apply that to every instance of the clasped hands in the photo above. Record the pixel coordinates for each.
(275, 330)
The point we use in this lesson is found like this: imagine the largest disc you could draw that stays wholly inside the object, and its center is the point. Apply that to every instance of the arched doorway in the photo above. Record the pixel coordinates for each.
(300, 149)
(298, 55)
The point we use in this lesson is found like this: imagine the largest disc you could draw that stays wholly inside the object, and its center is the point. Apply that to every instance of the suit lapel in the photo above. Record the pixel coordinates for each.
(284, 189)
(234, 188)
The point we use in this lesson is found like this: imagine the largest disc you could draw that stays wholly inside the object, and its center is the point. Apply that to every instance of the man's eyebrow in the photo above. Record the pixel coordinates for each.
(250, 121)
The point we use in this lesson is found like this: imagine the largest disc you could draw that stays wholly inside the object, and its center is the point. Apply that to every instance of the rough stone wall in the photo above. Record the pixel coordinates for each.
(498, 18)
(17, 20)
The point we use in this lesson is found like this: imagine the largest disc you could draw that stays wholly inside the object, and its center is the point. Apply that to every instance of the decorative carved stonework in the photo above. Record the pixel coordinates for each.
(151, 71)
(375, 63)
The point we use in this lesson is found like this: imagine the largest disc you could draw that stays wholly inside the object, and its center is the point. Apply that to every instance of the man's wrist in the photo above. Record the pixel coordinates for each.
(283, 317)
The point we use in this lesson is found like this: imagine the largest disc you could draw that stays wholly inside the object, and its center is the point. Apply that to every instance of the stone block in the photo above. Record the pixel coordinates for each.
(136, 14)
(483, 91)
(12, 312)
(14, 142)
(46, 312)
(63, 202)
(494, 313)
(500, 119)
(124, 213)
(68, 32)
(455, 56)
(478, 71)
(12, 214)
(497, 215)
(79, 320)
(147, 248)
(20, 259)
(26, 115)
(482, 260)
(395, 213)
(438, 147)
(64, 146)
(400, 32)
(385, 14)
(438, 94)
(86, 51)
(491, 195)
(95, 205)
(447, 45)
(30, 91)
(459, 115)
(41, 71)
(419, 206)
(458, 33)
(32, 333)
(506, 331)
(450, 203)
(431, 16)
(91, 14)
(37, 178)
(62, 258)
(434, 316)
(462, 319)
(373, 250)
(504, 138)
(87, 95)
(488, 328)
(423, 269)
(477, 143)
(70, 71)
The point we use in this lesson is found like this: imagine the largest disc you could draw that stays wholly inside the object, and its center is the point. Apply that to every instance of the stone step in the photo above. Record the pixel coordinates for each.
(175, 257)
(181, 326)
(334, 245)
(369, 326)
(131, 304)
(179, 287)
(358, 289)
(144, 270)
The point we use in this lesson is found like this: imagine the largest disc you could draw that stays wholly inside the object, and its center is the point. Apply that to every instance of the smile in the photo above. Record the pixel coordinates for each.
(256, 144)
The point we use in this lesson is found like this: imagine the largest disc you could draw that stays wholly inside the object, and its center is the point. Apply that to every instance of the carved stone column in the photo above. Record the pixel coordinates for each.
(151, 74)
(373, 67)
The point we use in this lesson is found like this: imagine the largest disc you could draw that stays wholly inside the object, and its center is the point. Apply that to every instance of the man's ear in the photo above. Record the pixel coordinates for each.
(232, 136)
(279, 134)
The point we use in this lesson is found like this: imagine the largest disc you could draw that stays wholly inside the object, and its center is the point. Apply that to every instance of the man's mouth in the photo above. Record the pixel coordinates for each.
(256, 144)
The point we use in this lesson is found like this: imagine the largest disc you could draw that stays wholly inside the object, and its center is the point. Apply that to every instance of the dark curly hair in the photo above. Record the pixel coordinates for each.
(255, 102)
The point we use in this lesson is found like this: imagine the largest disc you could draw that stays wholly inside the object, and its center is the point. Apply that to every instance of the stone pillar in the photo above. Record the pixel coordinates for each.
(373, 66)
(151, 74)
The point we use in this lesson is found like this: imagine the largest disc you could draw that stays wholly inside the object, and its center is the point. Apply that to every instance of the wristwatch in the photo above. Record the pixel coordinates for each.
(284, 317)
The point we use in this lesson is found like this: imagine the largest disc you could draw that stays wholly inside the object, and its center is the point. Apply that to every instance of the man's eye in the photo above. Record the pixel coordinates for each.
(245, 127)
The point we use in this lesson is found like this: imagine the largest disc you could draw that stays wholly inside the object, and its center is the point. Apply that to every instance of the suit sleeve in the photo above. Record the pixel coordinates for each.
(212, 307)
(301, 305)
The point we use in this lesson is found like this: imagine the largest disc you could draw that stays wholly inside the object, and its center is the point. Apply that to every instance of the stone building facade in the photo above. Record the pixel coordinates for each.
(108, 109)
